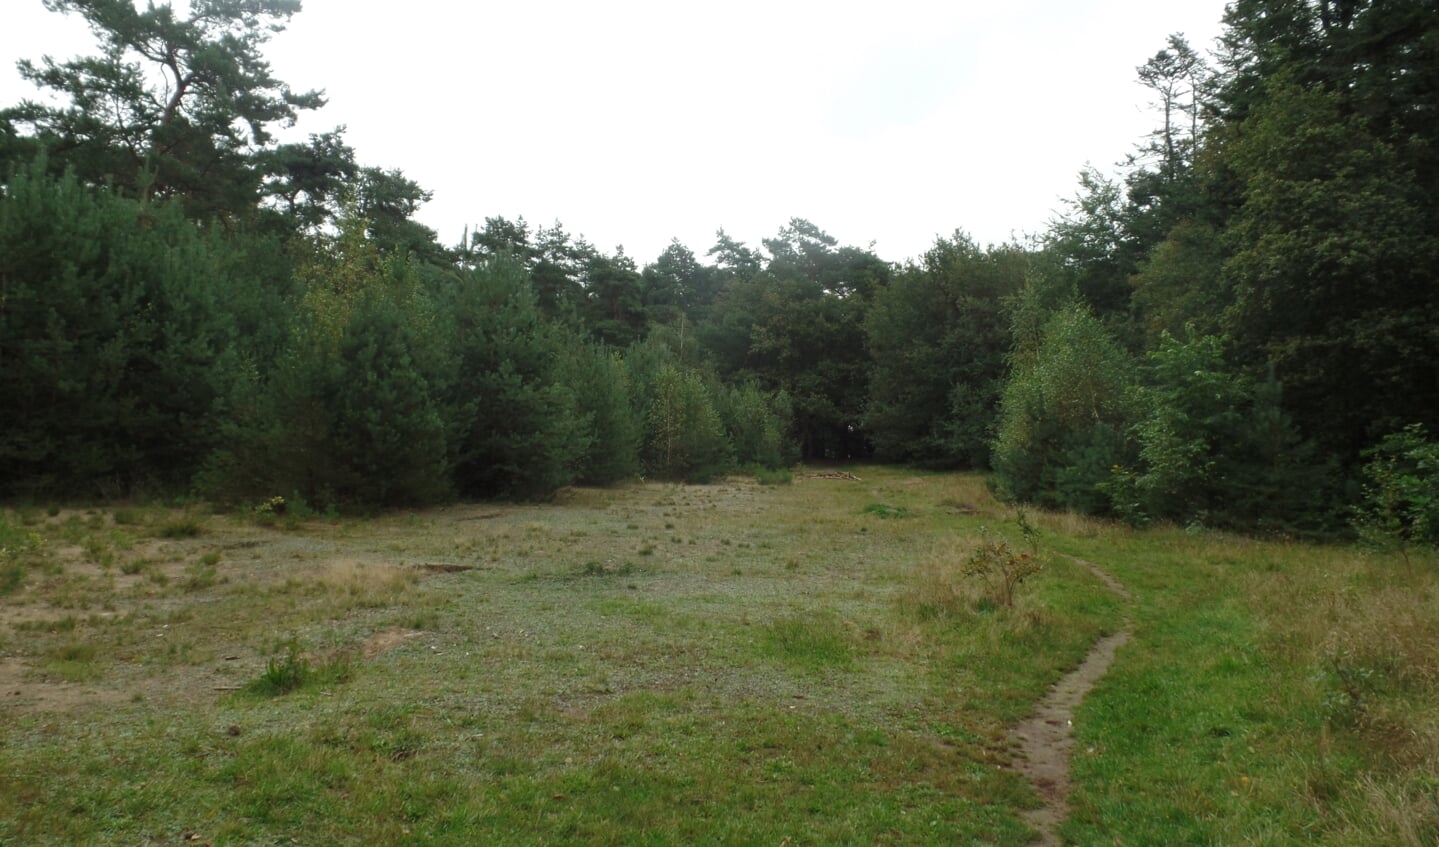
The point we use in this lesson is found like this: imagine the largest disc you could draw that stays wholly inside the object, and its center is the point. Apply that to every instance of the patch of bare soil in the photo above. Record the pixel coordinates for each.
(18, 693)
(386, 640)
(445, 567)
(1046, 737)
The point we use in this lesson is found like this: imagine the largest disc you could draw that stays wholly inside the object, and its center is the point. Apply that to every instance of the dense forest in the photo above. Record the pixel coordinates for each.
(1238, 329)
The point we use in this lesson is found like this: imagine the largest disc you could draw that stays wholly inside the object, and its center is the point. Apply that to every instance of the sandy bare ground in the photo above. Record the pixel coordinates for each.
(1046, 737)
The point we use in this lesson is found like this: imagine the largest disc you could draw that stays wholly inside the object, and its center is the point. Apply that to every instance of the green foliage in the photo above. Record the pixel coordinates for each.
(293, 670)
(1401, 491)
(172, 107)
(614, 290)
(937, 341)
(1065, 414)
(1096, 240)
(885, 511)
(1001, 569)
(1178, 284)
(514, 427)
(17, 546)
(350, 413)
(597, 379)
(685, 436)
(797, 326)
(756, 423)
(1196, 405)
(283, 674)
(185, 526)
(122, 330)
(1215, 448)
(690, 421)
(773, 476)
(1332, 270)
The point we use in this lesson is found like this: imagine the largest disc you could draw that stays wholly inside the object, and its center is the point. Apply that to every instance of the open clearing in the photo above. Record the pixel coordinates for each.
(724, 664)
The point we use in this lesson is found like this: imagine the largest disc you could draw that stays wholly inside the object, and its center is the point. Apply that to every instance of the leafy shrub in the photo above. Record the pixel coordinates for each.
(777, 476)
(685, 436)
(126, 516)
(756, 423)
(1001, 569)
(1401, 491)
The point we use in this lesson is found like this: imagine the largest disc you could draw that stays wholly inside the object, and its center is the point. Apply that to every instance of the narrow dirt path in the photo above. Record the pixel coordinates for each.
(1046, 738)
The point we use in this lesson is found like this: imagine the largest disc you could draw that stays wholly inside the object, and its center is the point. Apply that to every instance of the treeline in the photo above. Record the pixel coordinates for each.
(1230, 331)
(141, 351)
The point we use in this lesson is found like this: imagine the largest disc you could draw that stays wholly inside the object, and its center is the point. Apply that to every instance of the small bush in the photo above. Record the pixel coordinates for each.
(1401, 492)
(274, 507)
(128, 517)
(597, 568)
(187, 526)
(12, 575)
(99, 553)
(1001, 569)
(773, 476)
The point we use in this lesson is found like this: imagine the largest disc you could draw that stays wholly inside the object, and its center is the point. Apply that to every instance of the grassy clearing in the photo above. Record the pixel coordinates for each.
(1274, 693)
(728, 664)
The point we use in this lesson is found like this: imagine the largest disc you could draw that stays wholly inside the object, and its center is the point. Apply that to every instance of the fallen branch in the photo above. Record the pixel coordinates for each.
(832, 475)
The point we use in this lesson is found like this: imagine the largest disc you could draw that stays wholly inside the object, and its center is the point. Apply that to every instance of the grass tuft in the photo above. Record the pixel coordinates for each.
(292, 671)
(186, 526)
(815, 641)
(773, 476)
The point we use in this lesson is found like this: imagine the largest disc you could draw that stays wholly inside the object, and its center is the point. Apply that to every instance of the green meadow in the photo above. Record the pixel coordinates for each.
(736, 663)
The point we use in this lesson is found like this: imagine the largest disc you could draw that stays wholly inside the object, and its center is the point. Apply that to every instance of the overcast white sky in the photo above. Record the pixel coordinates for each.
(636, 122)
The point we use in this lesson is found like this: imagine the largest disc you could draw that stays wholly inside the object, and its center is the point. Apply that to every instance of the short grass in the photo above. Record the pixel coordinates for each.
(727, 664)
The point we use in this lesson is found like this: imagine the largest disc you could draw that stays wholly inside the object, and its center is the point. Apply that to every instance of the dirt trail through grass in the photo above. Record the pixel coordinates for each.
(1046, 738)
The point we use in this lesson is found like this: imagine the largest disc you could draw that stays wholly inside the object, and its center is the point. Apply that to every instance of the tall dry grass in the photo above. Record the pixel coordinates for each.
(1368, 627)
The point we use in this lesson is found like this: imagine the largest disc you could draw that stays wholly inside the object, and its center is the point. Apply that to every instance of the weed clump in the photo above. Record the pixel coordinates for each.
(187, 526)
(74, 661)
(814, 642)
(292, 671)
(127, 516)
(17, 547)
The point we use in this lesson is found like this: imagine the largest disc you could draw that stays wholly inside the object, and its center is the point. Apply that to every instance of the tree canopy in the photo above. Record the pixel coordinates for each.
(1223, 330)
